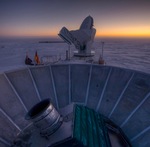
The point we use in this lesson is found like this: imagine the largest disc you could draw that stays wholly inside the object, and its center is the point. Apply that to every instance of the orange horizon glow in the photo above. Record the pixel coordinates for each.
(53, 34)
(135, 32)
(126, 35)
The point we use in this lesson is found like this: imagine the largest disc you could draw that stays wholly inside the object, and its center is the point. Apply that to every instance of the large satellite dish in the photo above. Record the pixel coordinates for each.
(82, 38)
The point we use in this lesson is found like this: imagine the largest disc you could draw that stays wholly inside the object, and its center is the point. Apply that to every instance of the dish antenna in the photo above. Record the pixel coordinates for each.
(82, 38)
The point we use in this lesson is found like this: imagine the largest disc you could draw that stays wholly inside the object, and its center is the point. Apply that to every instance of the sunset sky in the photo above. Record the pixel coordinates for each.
(112, 18)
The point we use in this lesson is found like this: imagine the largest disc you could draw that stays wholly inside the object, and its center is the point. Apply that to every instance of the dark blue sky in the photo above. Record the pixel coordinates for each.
(47, 17)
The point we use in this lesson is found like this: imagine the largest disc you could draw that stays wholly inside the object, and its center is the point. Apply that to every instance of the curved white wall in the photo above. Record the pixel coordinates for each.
(120, 94)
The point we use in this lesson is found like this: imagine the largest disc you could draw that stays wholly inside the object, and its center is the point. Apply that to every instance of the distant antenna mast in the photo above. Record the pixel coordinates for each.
(102, 49)
(101, 60)
(69, 52)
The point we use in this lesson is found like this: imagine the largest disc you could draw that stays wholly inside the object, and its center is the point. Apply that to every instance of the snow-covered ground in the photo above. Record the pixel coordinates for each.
(126, 53)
